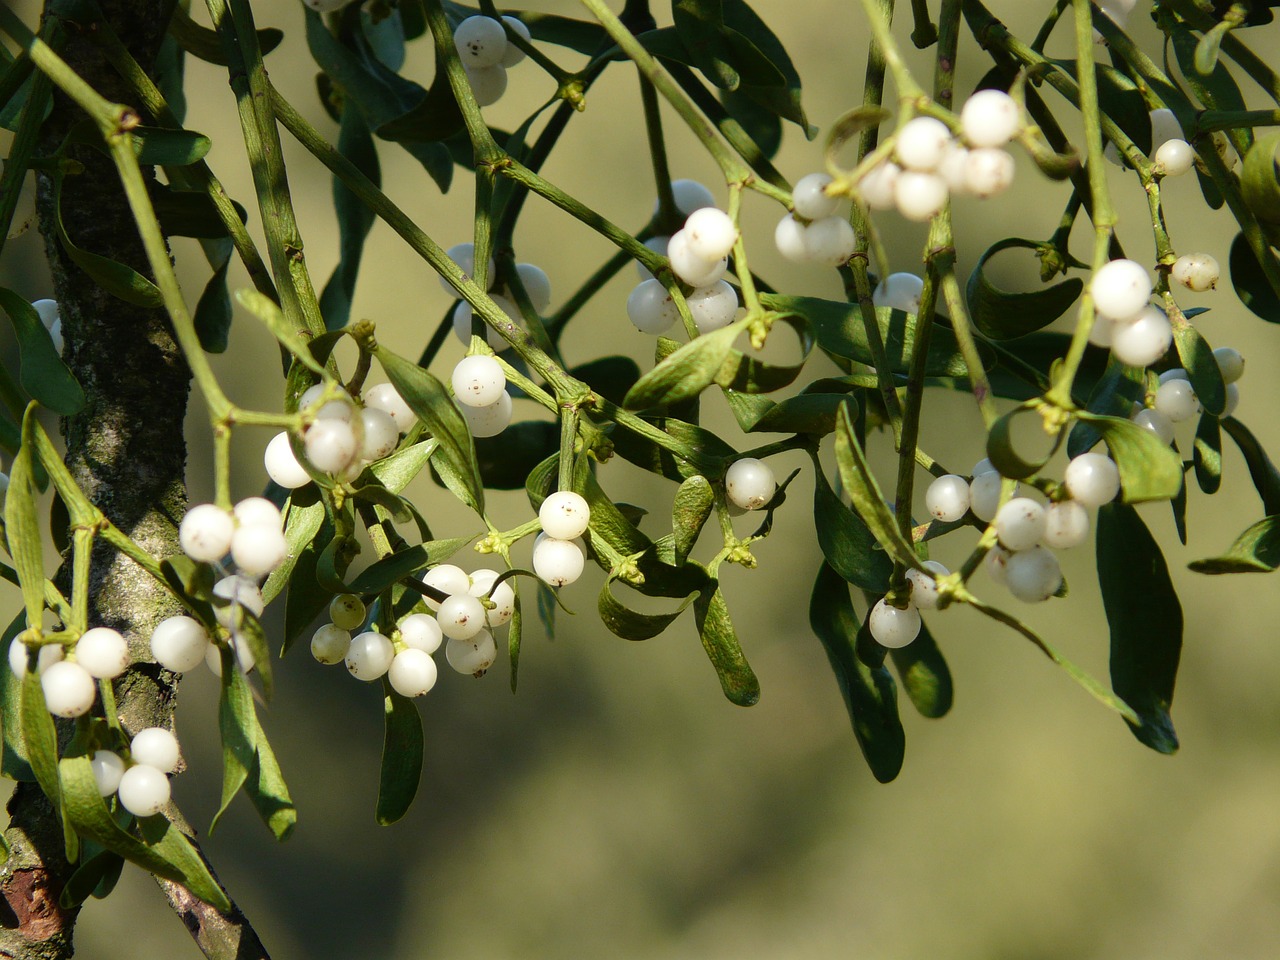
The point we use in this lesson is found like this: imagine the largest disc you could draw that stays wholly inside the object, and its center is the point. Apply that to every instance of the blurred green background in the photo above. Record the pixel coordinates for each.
(618, 806)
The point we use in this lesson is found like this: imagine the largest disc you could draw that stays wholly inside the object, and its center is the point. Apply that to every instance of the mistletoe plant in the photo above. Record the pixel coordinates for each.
(333, 538)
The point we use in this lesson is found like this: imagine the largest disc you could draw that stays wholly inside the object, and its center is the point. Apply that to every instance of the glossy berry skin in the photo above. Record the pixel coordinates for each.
(689, 195)
(749, 483)
(564, 515)
(921, 143)
(713, 307)
(924, 586)
(446, 578)
(156, 747)
(695, 270)
(1121, 289)
(69, 690)
(369, 656)
(463, 318)
(1143, 340)
(472, 657)
(241, 592)
(1233, 399)
(330, 643)
(789, 238)
(893, 627)
(257, 550)
(103, 652)
(179, 643)
(1196, 271)
(1174, 157)
(412, 673)
(1092, 479)
(990, 118)
(331, 445)
(947, 498)
(503, 598)
(810, 199)
(205, 533)
(954, 169)
(50, 653)
(481, 42)
(488, 84)
(240, 648)
(536, 283)
(514, 54)
(899, 291)
(996, 563)
(830, 241)
(1020, 523)
(1156, 422)
(464, 255)
(258, 512)
(282, 466)
(651, 309)
(1177, 400)
(919, 196)
(385, 397)
(558, 562)
(381, 434)
(478, 380)
(984, 495)
(491, 420)
(461, 616)
(347, 611)
(1066, 525)
(711, 233)
(421, 632)
(878, 188)
(143, 790)
(107, 769)
(1230, 363)
(1033, 576)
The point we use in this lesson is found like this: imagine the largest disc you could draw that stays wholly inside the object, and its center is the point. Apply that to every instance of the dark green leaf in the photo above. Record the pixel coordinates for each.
(1266, 479)
(846, 541)
(630, 625)
(1000, 444)
(746, 374)
(396, 470)
(95, 868)
(213, 311)
(505, 460)
(924, 674)
(686, 373)
(355, 219)
(761, 124)
(870, 694)
(1114, 395)
(1002, 315)
(404, 563)
(1149, 468)
(43, 374)
(1260, 180)
(162, 147)
(689, 511)
(39, 734)
(402, 747)
(1145, 619)
(248, 760)
(1208, 454)
(1202, 369)
(22, 530)
(1257, 550)
(1121, 101)
(868, 501)
(306, 598)
(611, 377)
(114, 277)
(302, 524)
(1209, 80)
(204, 44)
(720, 642)
(189, 213)
(16, 767)
(1250, 282)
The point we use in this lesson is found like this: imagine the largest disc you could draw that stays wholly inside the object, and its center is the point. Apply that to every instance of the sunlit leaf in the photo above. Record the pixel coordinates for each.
(1002, 315)
(1257, 550)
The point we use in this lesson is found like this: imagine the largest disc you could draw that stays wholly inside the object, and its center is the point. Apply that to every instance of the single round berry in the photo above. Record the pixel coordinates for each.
(659, 246)
(1020, 523)
(491, 420)
(689, 195)
(564, 515)
(990, 118)
(51, 317)
(921, 143)
(1092, 478)
(536, 283)
(789, 238)
(651, 309)
(1033, 576)
(1143, 340)
(1066, 525)
(749, 483)
(1196, 271)
(713, 307)
(50, 653)
(1121, 289)
(412, 673)
(347, 611)
(1233, 399)
(464, 255)
(710, 233)
(830, 241)
(996, 563)
(1230, 363)
(1173, 373)
(103, 652)
(421, 632)
(1177, 400)
(1156, 422)
(240, 592)
(514, 54)
(462, 319)
(988, 171)
(179, 643)
(947, 498)
(481, 41)
(1103, 332)
(899, 291)
(983, 466)
(282, 466)
(810, 197)
(924, 586)
(381, 434)
(472, 657)
(878, 187)
(461, 616)
(143, 790)
(695, 270)
(257, 512)
(385, 397)
(330, 643)
(69, 690)
(488, 84)
(239, 647)
(557, 562)
(331, 445)
(1174, 157)
(107, 769)
(446, 578)
(478, 380)
(369, 656)
(156, 747)
(258, 550)
(919, 196)
(503, 598)
(893, 627)
(984, 495)
(205, 533)
(954, 169)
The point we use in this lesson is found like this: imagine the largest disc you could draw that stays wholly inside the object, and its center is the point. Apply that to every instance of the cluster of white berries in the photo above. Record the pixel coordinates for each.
(251, 533)
(815, 232)
(699, 257)
(343, 437)
(480, 386)
(1137, 332)
(558, 554)
(69, 675)
(1175, 399)
(536, 283)
(749, 484)
(929, 165)
(142, 784)
(486, 53)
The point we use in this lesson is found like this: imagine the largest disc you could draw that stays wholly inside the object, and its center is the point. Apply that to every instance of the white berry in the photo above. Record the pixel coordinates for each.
(446, 578)
(103, 652)
(257, 550)
(919, 196)
(472, 657)
(713, 307)
(1103, 332)
(412, 673)
(257, 512)
(385, 397)
(347, 611)
(331, 445)
(924, 586)
(514, 54)
(156, 747)
(1092, 478)
(1233, 399)
(143, 790)
(381, 434)
(878, 187)
(921, 144)
(689, 195)
(830, 241)
(1066, 525)
(1143, 340)
(996, 563)
(504, 596)
(558, 562)
(205, 533)
(462, 322)
(564, 515)
(893, 626)
(1196, 271)
(899, 291)
(421, 632)
(491, 420)
(810, 198)
(464, 255)
(1156, 422)
(1033, 575)
(693, 269)
(481, 41)
(789, 238)
(947, 498)
(984, 495)
(988, 171)
(69, 690)
(239, 646)
(478, 380)
(536, 283)
(107, 769)
(282, 466)
(330, 644)
(658, 245)
(461, 616)
(749, 483)
(651, 309)
(369, 656)
(1174, 157)
(240, 592)
(50, 653)
(1020, 523)
(1177, 400)
(1230, 363)
(179, 643)
(990, 118)
(488, 84)
(1121, 289)
(954, 168)
(711, 233)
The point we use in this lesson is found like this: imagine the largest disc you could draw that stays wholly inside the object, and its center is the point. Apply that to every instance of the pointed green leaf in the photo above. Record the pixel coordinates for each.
(248, 761)
(864, 492)
(720, 641)
(1260, 181)
(96, 868)
(1257, 550)
(870, 694)
(291, 337)
(1145, 619)
(631, 625)
(116, 278)
(1197, 359)
(689, 511)
(405, 563)
(163, 147)
(402, 748)
(1000, 444)
(1208, 454)
(204, 44)
(22, 530)
(505, 460)
(213, 310)
(1002, 315)
(924, 674)
(302, 523)
(1149, 469)
(686, 373)
(846, 541)
(355, 219)
(39, 735)
(43, 374)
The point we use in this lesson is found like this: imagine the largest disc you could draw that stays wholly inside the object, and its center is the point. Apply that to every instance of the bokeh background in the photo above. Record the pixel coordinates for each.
(617, 805)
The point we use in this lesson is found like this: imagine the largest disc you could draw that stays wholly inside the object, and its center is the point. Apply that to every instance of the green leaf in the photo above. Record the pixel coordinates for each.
(1120, 100)
(405, 563)
(1114, 394)
(1000, 445)
(39, 735)
(16, 766)
(689, 511)
(43, 374)
(302, 523)
(306, 598)
(870, 694)
(746, 374)
(505, 460)
(355, 219)
(117, 279)
(782, 99)
(1208, 454)
(1149, 469)
(290, 337)
(213, 310)
(1257, 550)
(162, 147)
(94, 869)
(846, 541)
(427, 397)
(1209, 80)
(630, 625)
(189, 213)
(1202, 369)
(170, 855)
(397, 470)
(924, 674)
(1001, 315)
(204, 44)
(248, 761)
(869, 502)
(720, 642)
(611, 377)
(686, 373)
(402, 748)
(1266, 479)
(1260, 179)
(22, 530)
(1251, 284)
(760, 123)
(1145, 619)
